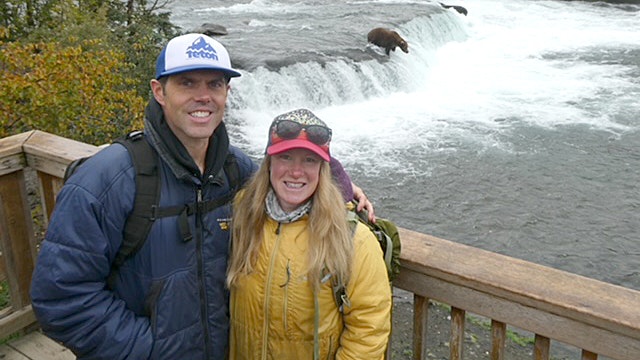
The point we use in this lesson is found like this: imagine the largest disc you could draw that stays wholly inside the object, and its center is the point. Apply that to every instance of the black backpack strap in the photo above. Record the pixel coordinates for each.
(233, 176)
(73, 166)
(147, 177)
(233, 173)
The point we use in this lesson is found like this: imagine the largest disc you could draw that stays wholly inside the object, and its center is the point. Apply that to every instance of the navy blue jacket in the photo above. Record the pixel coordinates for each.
(169, 300)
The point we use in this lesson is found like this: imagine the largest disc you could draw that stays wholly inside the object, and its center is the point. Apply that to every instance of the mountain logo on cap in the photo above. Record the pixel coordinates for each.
(200, 49)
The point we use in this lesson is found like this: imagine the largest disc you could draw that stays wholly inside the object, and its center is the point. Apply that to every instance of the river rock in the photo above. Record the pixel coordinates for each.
(211, 29)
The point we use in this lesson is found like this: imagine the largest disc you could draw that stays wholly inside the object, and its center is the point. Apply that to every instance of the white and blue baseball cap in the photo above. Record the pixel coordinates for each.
(193, 52)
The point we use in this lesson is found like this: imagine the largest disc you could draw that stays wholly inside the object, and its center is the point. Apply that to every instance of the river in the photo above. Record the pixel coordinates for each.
(515, 129)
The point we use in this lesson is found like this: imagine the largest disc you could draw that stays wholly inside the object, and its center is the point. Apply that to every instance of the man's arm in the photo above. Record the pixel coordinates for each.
(363, 202)
(68, 289)
(350, 190)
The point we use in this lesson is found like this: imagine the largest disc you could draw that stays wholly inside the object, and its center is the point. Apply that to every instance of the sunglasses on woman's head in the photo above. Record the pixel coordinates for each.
(287, 130)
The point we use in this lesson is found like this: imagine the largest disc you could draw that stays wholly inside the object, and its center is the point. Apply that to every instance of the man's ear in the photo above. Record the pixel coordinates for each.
(158, 91)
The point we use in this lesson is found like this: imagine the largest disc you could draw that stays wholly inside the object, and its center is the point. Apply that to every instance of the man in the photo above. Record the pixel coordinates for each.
(168, 300)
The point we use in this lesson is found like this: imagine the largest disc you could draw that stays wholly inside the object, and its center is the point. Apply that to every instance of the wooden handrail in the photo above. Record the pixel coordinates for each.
(598, 317)
(594, 316)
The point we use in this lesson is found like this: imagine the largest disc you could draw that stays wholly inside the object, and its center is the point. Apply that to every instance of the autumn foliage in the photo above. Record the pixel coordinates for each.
(78, 92)
(78, 69)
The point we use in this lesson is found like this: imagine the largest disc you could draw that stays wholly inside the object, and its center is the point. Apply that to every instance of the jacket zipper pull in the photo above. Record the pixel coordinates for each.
(198, 208)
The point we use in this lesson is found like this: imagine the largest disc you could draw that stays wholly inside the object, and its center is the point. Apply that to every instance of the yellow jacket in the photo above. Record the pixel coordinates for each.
(272, 309)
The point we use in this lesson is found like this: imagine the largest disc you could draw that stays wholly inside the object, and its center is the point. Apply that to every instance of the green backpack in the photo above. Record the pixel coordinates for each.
(386, 233)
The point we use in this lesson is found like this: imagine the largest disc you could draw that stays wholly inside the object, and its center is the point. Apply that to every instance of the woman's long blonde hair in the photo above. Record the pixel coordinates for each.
(330, 236)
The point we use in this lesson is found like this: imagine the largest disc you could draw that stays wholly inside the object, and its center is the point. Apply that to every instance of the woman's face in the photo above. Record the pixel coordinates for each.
(294, 176)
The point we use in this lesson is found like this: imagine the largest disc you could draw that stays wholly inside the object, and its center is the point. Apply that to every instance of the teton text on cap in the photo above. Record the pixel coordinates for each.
(201, 49)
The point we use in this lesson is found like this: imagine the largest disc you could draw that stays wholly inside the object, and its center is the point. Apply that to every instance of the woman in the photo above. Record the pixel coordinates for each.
(291, 239)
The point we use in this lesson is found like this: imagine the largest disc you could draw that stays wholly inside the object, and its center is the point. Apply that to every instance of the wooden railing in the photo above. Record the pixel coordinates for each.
(597, 317)
(48, 155)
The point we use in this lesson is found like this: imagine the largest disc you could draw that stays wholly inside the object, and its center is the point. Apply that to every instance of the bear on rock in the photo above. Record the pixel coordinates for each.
(387, 39)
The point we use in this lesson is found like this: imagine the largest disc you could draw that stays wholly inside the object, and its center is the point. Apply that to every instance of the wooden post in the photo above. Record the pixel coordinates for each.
(498, 339)
(49, 188)
(17, 237)
(457, 333)
(4, 234)
(420, 316)
(541, 347)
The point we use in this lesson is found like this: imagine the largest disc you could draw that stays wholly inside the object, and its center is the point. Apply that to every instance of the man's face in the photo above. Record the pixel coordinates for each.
(193, 103)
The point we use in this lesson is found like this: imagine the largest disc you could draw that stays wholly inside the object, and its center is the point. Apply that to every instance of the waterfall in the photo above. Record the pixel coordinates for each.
(343, 80)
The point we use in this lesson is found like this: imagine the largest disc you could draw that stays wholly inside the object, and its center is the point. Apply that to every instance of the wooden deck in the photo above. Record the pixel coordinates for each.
(34, 346)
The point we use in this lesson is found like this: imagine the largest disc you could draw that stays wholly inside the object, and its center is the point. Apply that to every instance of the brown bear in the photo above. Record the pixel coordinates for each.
(387, 39)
